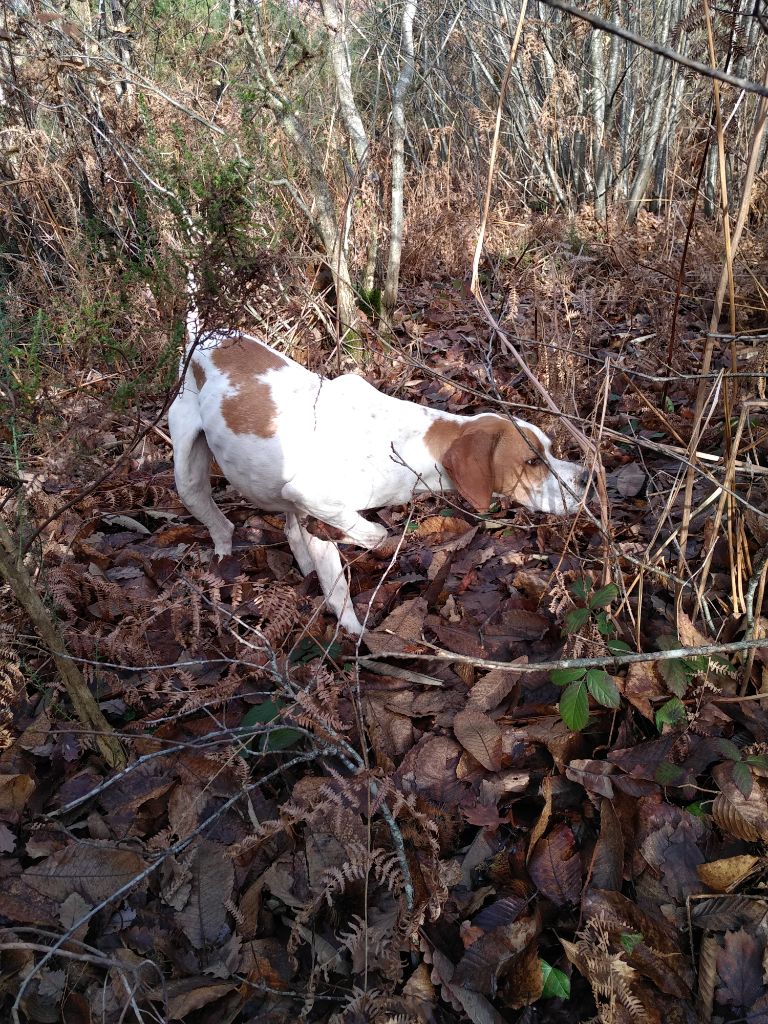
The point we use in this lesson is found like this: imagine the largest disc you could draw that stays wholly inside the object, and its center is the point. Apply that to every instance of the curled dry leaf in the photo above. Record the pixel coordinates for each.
(722, 875)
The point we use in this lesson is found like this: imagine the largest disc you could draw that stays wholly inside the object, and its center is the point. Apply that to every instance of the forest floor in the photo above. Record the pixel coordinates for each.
(310, 826)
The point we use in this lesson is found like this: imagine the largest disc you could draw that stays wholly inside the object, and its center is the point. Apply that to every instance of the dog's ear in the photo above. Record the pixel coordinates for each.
(469, 462)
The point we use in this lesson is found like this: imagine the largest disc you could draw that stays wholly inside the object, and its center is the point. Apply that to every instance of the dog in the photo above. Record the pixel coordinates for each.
(292, 441)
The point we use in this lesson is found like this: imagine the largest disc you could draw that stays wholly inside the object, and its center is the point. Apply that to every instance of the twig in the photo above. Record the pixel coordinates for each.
(663, 51)
(611, 659)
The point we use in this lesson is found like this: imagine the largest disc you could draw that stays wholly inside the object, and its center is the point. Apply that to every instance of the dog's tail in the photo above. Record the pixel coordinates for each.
(193, 313)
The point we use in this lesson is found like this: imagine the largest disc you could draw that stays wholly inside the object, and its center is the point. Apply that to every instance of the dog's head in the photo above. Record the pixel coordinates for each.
(491, 455)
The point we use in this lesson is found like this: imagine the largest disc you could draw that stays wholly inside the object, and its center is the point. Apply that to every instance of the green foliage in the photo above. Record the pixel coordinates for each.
(678, 673)
(274, 739)
(582, 682)
(630, 940)
(557, 984)
(574, 706)
(671, 713)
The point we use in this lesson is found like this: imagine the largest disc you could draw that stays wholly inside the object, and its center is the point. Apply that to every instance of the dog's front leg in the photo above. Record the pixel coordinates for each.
(313, 552)
(352, 527)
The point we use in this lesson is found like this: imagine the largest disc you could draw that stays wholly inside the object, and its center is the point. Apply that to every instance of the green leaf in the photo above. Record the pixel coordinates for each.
(677, 674)
(759, 761)
(603, 688)
(671, 713)
(697, 808)
(729, 750)
(742, 776)
(308, 649)
(260, 714)
(557, 984)
(630, 939)
(574, 706)
(668, 774)
(575, 620)
(563, 676)
(279, 739)
(618, 647)
(603, 597)
(668, 643)
(581, 588)
(669, 405)
(604, 627)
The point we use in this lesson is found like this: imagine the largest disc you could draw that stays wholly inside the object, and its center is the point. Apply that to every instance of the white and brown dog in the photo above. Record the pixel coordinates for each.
(294, 442)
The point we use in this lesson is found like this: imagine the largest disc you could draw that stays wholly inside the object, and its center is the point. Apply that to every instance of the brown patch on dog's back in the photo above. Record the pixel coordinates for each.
(199, 374)
(251, 409)
(242, 358)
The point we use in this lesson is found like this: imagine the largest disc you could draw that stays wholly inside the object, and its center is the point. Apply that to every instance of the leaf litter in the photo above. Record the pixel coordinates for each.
(422, 840)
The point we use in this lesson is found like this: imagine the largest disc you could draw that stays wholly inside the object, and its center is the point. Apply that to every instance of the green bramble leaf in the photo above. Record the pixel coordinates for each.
(603, 688)
(668, 774)
(697, 808)
(277, 739)
(677, 674)
(630, 940)
(581, 588)
(671, 713)
(557, 984)
(576, 619)
(603, 624)
(618, 647)
(603, 597)
(729, 750)
(574, 706)
(759, 761)
(563, 676)
(742, 777)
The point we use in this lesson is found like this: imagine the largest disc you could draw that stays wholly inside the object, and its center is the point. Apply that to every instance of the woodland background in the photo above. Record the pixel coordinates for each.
(538, 790)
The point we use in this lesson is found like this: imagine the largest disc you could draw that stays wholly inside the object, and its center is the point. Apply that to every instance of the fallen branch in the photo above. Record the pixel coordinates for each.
(14, 573)
(609, 659)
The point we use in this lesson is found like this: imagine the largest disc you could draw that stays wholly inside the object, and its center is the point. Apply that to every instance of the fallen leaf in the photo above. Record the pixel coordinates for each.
(722, 875)
(555, 867)
(479, 734)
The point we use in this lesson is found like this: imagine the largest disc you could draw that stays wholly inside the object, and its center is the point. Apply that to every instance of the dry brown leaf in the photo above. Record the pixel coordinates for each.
(722, 875)
(641, 684)
(542, 822)
(555, 867)
(183, 996)
(419, 994)
(594, 776)
(494, 687)
(480, 736)
(204, 918)
(739, 968)
(739, 815)
(689, 635)
(608, 858)
(15, 790)
(96, 871)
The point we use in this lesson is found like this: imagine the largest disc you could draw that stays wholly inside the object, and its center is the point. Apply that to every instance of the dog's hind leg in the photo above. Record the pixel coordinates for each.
(323, 556)
(192, 469)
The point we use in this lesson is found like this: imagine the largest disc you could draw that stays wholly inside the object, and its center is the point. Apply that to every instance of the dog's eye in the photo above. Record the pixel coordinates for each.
(535, 461)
